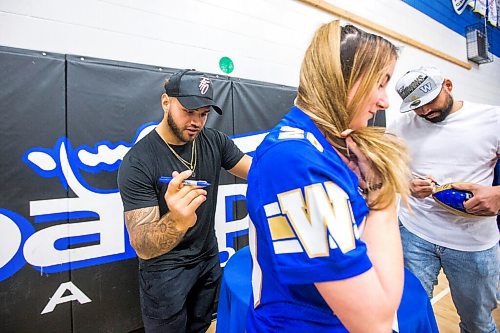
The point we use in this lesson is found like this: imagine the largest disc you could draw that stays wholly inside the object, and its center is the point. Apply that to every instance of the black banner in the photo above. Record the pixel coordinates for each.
(32, 114)
(66, 264)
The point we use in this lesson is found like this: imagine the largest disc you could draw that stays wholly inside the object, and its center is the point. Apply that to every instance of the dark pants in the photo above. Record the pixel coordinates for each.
(179, 299)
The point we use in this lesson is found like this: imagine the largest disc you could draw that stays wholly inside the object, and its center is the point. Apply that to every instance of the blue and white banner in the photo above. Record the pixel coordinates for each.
(65, 256)
(460, 5)
(486, 8)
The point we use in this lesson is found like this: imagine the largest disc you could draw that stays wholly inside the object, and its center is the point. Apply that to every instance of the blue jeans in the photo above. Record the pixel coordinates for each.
(473, 278)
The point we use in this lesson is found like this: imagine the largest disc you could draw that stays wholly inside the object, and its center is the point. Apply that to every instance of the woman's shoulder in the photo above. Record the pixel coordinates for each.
(289, 142)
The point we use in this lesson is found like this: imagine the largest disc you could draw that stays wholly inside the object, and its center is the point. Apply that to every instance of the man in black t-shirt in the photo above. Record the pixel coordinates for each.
(170, 222)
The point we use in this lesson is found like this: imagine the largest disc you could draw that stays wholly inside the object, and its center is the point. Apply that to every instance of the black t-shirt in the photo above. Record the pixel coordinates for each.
(149, 159)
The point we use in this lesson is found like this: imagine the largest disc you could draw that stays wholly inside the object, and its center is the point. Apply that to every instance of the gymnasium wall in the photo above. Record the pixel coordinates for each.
(443, 12)
(81, 82)
(265, 39)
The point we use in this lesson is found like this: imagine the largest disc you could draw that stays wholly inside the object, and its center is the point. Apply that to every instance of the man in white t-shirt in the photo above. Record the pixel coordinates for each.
(451, 141)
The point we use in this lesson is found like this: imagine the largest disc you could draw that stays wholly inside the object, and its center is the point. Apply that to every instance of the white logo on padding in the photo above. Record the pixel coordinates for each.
(204, 85)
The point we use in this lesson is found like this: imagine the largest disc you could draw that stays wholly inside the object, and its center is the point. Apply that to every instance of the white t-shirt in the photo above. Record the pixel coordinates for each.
(462, 148)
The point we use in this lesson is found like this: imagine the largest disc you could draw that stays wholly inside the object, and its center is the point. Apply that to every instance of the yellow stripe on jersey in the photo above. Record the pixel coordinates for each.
(280, 228)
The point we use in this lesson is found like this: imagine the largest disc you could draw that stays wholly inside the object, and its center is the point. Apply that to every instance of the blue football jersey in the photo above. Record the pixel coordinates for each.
(305, 211)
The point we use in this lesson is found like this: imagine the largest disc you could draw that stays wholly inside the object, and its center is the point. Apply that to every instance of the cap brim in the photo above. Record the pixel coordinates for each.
(196, 102)
(408, 106)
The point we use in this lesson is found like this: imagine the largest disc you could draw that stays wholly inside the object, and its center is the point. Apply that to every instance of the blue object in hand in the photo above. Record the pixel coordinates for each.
(452, 199)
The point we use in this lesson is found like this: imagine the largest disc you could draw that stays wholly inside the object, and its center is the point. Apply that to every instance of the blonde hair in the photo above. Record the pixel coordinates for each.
(337, 58)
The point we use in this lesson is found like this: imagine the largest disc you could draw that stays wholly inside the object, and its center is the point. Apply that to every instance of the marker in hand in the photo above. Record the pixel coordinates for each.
(190, 182)
(425, 178)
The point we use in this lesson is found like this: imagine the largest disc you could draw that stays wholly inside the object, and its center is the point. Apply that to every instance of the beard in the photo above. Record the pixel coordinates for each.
(177, 131)
(444, 112)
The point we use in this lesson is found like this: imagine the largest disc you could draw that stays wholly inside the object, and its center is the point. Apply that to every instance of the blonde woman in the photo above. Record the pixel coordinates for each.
(321, 194)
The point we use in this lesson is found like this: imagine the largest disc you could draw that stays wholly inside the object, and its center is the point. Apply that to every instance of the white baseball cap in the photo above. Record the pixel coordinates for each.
(419, 87)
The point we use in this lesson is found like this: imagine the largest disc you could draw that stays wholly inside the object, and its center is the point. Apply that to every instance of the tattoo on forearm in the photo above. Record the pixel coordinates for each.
(151, 235)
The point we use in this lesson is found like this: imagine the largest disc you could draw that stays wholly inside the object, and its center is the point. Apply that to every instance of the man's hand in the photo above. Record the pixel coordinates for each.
(486, 199)
(151, 235)
(422, 187)
(183, 200)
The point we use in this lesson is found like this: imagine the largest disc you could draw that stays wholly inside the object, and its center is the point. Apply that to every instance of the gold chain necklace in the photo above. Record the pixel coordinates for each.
(190, 165)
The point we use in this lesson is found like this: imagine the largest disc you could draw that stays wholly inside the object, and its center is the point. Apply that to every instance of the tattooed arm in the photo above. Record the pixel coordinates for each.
(152, 235)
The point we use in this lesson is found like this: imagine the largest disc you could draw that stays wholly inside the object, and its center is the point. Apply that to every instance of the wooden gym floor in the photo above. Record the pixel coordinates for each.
(444, 310)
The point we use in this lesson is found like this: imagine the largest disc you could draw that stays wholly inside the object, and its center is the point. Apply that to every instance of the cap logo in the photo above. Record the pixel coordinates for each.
(426, 87)
(415, 103)
(204, 85)
(405, 91)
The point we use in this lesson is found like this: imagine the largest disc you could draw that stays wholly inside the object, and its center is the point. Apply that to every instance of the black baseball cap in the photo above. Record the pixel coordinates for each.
(193, 90)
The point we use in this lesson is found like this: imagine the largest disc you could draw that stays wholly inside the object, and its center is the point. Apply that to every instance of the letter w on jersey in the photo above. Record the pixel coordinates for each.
(316, 222)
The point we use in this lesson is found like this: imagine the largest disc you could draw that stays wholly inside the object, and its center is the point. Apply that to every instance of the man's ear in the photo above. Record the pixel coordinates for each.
(448, 85)
(165, 102)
